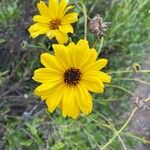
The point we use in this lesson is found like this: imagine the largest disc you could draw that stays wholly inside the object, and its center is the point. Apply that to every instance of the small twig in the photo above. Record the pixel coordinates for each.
(122, 142)
(119, 137)
(121, 88)
(98, 39)
(118, 132)
(136, 137)
(76, 3)
(147, 99)
(89, 135)
(100, 45)
(136, 80)
(111, 126)
(17, 85)
(101, 40)
(27, 115)
(128, 71)
(85, 16)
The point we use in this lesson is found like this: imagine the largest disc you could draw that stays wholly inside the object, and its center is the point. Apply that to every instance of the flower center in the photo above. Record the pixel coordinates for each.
(72, 76)
(54, 24)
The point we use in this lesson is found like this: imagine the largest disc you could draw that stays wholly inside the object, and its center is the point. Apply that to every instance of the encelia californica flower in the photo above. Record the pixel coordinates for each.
(54, 21)
(68, 76)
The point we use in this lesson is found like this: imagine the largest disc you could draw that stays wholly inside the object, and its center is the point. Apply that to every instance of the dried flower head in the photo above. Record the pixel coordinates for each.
(98, 26)
(136, 67)
(141, 104)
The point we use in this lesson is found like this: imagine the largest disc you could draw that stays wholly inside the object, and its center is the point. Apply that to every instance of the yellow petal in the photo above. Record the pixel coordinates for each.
(66, 28)
(44, 11)
(53, 101)
(93, 56)
(98, 74)
(93, 84)
(97, 65)
(90, 59)
(84, 100)
(72, 55)
(40, 19)
(61, 37)
(50, 61)
(62, 54)
(37, 33)
(70, 107)
(53, 8)
(37, 29)
(80, 53)
(83, 43)
(51, 34)
(45, 86)
(68, 8)
(47, 93)
(62, 6)
(44, 94)
(101, 63)
(104, 77)
(70, 18)
(46, 75)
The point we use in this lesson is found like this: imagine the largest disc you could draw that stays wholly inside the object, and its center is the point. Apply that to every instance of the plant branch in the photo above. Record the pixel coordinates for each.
(85, 16)
(121, 88)
(118, 132)
(128, 71)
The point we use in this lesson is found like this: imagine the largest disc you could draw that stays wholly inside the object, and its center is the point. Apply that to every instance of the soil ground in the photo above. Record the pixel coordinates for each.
(141, 121)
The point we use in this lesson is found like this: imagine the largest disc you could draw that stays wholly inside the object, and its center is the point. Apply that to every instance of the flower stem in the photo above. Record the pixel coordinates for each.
(135, 80)
(128, 71)
(121, 88)
(118, 132)
(85, 16)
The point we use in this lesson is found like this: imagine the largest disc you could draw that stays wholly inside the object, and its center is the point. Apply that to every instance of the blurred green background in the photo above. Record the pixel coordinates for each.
(25, 122)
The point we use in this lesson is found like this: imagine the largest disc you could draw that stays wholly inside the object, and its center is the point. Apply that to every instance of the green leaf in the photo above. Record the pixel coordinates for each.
(26, 142)
(2, 41)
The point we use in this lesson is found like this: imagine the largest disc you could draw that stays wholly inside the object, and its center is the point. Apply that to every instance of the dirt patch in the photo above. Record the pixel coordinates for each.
(14, 35)
(13, 57)
(141, 121)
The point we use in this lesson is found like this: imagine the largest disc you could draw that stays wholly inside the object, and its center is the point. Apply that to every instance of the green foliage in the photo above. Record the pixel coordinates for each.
(9, 12)
(2, 77)
(125, 41)
(129, 28)
(129, 23)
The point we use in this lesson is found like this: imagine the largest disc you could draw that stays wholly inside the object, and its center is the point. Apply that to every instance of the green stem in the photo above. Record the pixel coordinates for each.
(100, 45)
(85, 16)
(123, 133)
(128, 71)
(121, 88)
(138, 138)
(89, 135)
(121, 140)
(136, 80)
(95, 42)
(118, 132)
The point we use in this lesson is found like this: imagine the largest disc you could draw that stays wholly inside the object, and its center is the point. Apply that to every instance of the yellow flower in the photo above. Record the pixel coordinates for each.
(68, 76)
(53, 20)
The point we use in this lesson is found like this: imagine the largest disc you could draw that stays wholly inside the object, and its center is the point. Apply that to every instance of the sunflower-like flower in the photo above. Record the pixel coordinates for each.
(68, 77)
(54, 21)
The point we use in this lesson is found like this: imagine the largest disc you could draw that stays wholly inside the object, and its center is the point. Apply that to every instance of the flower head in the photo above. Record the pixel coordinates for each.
(54, 21)
(68, 76)
(98, 26)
